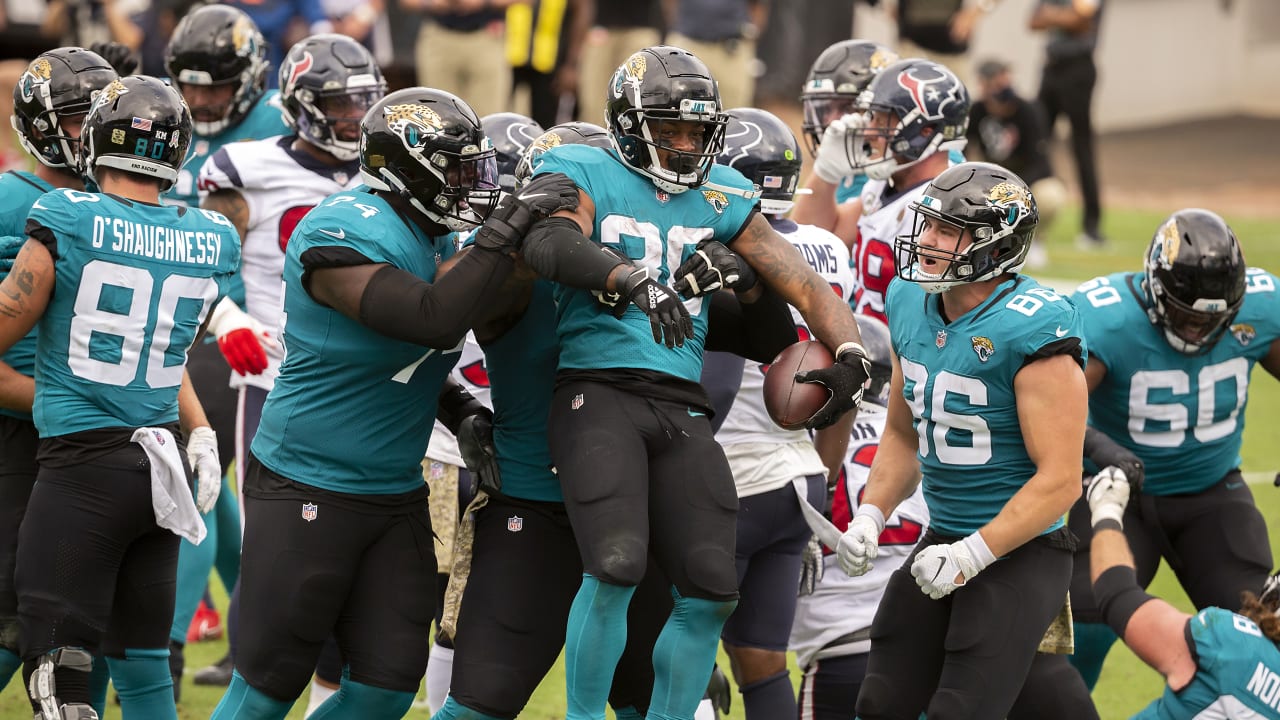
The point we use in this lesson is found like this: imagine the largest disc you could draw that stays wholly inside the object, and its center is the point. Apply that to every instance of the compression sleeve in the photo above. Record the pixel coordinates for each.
(1119, 596)
(557, 250)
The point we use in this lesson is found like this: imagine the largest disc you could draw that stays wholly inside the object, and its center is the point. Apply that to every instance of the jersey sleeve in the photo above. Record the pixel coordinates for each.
(1260, 314)
(731, 200)
(52, 220)
(1101, 304)
(1054, 325)
(580, 166)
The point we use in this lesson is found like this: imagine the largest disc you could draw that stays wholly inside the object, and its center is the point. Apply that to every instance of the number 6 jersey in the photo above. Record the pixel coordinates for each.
(134, 283)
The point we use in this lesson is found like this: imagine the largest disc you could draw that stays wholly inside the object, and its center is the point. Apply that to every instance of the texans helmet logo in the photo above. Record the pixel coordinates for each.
(297, 69)
(931, 95)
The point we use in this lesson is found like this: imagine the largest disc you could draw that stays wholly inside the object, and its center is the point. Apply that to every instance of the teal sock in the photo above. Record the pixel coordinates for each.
(144, 684)
(99, 679)
(594, 641)
(226, 514)
(684, 655)
(357, 701)
(454, 710)
(242, 701)
(1093, 642)
(9, 664)
(626, 713)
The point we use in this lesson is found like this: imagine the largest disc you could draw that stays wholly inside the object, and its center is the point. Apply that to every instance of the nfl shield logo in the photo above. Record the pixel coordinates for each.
(340, 177)
(159, 437)
(309, 511)
(515, 523)
(941, 340)
(663, 196)
(577, 401)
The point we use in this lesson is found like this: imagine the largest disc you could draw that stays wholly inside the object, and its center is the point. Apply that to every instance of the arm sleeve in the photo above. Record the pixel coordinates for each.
(557, 250)
(757, 331)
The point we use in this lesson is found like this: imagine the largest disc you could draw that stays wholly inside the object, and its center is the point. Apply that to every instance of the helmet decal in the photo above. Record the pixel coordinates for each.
(882, 58)
(413, 123)
(1013, 200)
(108, 94)
(39, 72)
(297, 68)
(244, 37)
(1168, 242)
(927, 92)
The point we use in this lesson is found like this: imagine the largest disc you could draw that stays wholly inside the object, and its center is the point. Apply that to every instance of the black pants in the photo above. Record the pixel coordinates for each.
(1066, 87)
(964, 656)
(18, 440)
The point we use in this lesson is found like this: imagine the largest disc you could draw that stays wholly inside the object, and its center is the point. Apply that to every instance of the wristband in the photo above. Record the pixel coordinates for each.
(873, 512)
(850, 347)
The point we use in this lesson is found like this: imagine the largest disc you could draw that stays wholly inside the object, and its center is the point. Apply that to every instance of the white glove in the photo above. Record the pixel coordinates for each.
(860, 544)
(937, 566)
(1108, 494)
(202, 454)
(832, 162)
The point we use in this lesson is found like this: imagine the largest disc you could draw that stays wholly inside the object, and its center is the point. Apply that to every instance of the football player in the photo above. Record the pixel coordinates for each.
(98, 549)
(50, 102)
(628, 429)
(1172, 349)
(336, 511)
(988, 367)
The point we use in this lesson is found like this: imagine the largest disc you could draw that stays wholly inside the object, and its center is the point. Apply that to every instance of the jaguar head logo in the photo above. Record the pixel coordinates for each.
(717, 200)
(413, 123)
(1244, 333)
(1012, 200)
(37, 74)
(983, 347)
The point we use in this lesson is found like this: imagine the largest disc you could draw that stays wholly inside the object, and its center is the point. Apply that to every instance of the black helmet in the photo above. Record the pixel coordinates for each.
(320, 72)
(927, 108)
(511, 134)
(762, 147)
(138, 125)
(836, 79)
(875, 339)
(428, 147)
(657, 85)
(1195, 279)
(570, 133)
(59, 84)
(989, 203)
(218, 45)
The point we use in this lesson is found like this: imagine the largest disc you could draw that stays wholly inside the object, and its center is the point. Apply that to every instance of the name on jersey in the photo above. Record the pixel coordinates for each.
(157, 242)
(1265, 685)
(820, 257)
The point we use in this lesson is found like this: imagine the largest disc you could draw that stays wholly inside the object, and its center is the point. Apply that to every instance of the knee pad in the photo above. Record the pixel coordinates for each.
(621, 561)
(710, 572)
(43, 688)
(953, 704)
(880, 698)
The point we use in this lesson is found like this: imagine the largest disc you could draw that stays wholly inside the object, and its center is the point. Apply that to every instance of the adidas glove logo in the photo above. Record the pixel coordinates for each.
(656, 296)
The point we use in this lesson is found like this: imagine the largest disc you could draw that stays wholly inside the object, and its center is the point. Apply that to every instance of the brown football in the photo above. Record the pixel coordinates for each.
(791, 403)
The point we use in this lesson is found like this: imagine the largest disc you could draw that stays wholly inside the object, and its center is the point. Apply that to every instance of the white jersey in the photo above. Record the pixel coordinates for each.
(763, 456)
(469, 371)
(836, 619)
(279, 185)
(881, 223)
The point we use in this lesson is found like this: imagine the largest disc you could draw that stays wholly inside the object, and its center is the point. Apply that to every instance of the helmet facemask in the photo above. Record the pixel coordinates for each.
(883, 146)
(1192, 299)
(456, 189)
(331, 119)
(642, 137)
(820, 108)
(988, 252)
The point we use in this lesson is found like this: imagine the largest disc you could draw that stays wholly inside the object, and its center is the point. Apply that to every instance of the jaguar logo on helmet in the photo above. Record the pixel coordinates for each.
(982, 345)
(38, 73)
(1168, 244)
(109, 94)
(1012, 199)
(717, 199)
(631, 72)
(414, 123)
(548, 140)
(243, 37)
(881, 59)
(931, 95)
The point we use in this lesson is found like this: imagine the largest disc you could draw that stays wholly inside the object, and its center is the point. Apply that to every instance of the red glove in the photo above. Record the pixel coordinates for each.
(243, 351)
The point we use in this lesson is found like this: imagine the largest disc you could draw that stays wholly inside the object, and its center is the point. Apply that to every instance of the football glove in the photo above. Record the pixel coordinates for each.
(712, 267)
(811, 566)
(1108, 494)
(845, 379)
(516, 212)
(668, 317)
(475, 443)
(202, 455)
(832, 162)
(118, 55)
(937, 566)
(241, 339)
(860, 543)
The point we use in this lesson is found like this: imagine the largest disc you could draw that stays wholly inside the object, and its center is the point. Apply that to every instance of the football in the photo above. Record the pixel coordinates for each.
(791, 403)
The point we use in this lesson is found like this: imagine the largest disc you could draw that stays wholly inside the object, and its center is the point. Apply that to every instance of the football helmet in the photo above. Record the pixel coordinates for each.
(57, 85)
(653, 88)
(1270, 597)
(139, 125)
(570, 133)
(511, 134)
(1195, 279)
(327, 84)
(219, 45)
(875, 339)
(428, 147)
(762, 147)
(913, 108)
(994, 211)
(836, 79)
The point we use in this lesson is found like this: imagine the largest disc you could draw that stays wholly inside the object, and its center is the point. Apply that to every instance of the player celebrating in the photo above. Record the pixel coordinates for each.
(136, 283)
(989, 369)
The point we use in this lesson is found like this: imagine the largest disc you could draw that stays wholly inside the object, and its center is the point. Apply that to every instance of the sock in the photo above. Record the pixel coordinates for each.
(144, 684)
(99, 679)
(357, 701)
(705, 711)
(319, 693)
(626, 713)
(594, 641)
(684, 654)
(242, 701)
(1093, 642)
(771, 697)
(9, 664)
(453, 710)
(439, 673)
(226, 515)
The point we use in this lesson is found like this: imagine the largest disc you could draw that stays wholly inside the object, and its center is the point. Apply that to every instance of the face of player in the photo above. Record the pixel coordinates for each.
(208, 103)
(880, 126)
(938, 243)
(345, 112)
(70, 125)
(678, 136)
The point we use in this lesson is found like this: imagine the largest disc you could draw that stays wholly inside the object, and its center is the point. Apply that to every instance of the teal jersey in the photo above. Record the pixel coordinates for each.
(1183, 415)
(133, 285)
(1237, 673)
(263, 121)
(352, 410)
(18, 191)
(656, 230)
(959, 384)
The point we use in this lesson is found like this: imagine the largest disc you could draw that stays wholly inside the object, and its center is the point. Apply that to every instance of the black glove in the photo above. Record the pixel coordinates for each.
(475, 443)
(118, 55)
(1104, 452)
(845, 379)
(712, 267)
(516, 212)
(668, 317)
(718, 691)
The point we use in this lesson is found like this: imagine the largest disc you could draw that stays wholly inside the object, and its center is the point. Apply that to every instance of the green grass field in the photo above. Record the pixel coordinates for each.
(1127, 685)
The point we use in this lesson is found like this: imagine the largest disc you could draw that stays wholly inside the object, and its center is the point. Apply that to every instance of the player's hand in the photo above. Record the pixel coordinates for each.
(202, 455)
(241, 339)
(712, 267)
(940, 569)
(118, 55)
(475, 443)
(845, 379)
(668, 317)
(832, 162)
(516, 212)
(1108, 494)
(861, 541)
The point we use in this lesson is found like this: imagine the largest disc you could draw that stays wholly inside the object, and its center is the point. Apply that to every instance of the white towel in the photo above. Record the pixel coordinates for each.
(171, 499)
